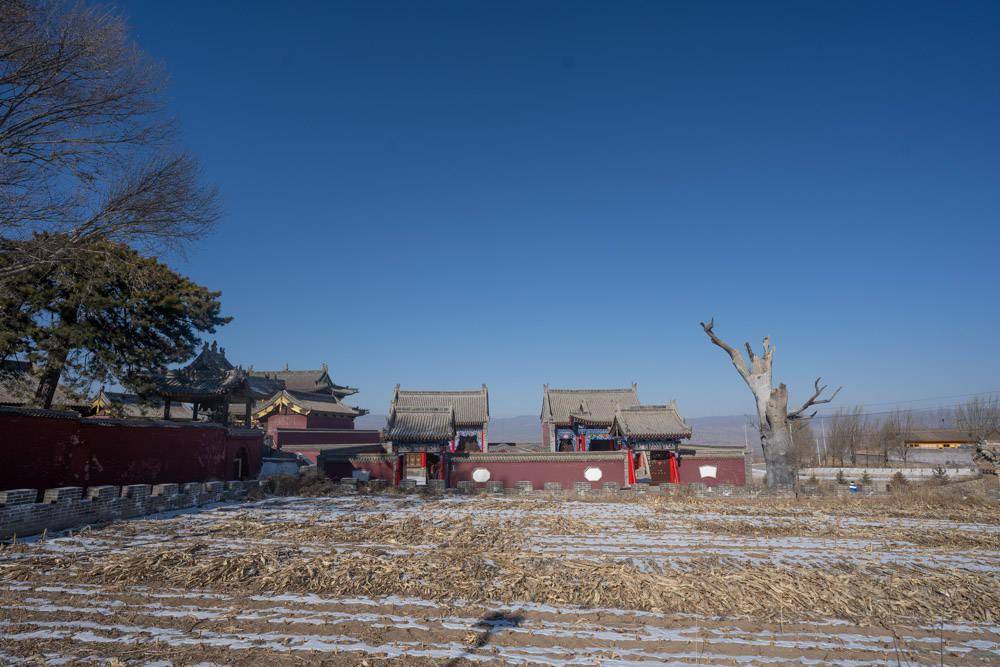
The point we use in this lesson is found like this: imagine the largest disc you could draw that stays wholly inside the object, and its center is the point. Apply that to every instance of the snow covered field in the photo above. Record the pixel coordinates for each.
(521, 580)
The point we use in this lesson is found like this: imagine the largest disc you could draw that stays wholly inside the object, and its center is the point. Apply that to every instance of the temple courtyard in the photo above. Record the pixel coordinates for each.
(603, 579)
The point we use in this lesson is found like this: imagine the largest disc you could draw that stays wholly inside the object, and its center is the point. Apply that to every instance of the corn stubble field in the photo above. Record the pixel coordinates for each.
(405, 579)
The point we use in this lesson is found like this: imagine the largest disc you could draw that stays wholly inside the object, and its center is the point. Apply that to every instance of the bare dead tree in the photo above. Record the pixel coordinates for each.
(85, 151)
(892, 433)
(772, 407)
(980, 416)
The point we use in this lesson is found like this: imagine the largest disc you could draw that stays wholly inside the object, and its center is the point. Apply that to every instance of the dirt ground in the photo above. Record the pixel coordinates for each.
(392, 579)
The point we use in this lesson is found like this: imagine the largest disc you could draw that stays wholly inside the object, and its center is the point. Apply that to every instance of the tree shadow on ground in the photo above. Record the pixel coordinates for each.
(487, 626)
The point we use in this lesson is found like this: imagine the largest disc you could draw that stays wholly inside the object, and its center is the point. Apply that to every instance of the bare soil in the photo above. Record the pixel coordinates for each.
(410, 580)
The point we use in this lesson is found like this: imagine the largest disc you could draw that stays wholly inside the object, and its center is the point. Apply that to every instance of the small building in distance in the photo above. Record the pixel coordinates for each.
(579, 420)
(939, 438)
(421, 438)
(653, 434)
(471, 410)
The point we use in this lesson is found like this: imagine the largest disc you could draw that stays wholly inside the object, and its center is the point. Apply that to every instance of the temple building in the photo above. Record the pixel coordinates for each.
(311, 381)
(211, 383)
(124, 405)
(420, 438)
(288, 400)
(652, 434)
(579, 420)
(471, 408)
(299, 409)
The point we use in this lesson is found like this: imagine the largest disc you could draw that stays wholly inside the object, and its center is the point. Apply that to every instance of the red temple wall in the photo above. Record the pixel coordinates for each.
(274, 422)
(45, 452)
(567, 472)
(727, 470)
(328, 421)
(307, 436)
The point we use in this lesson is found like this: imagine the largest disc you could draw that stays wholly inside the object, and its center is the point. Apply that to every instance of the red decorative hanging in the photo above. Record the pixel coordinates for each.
(675, 476)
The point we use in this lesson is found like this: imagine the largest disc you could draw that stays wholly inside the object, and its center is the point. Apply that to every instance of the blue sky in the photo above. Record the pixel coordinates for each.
(445, 194)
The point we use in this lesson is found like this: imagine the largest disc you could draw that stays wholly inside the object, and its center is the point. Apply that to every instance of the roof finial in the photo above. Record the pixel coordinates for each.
(215, 346)
(326, 369)
(286, 365)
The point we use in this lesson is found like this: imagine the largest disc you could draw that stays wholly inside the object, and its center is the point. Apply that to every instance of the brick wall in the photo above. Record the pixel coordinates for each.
(23, 514)
(712, 471)
(43, 449)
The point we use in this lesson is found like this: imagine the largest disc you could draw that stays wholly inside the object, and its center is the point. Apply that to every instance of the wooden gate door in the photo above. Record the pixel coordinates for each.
(659, 471)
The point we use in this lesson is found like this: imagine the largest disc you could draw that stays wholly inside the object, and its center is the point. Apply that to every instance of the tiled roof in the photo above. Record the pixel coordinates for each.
(651, 422)
(18, 385)
(39, 412)
(132, 405)
(697, 450)
(594, 406)
(263, 387)
(420, 424)
(940, 435)
(472, 408)
(184, 383)
(305, 403)
(308, 380)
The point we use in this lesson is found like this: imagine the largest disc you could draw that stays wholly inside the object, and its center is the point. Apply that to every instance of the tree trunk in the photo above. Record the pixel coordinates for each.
(50, 377)
(776, 440)
(55, 362)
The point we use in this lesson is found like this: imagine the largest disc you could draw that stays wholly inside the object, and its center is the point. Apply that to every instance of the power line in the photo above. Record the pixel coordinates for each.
(935, 398)
(930, 408)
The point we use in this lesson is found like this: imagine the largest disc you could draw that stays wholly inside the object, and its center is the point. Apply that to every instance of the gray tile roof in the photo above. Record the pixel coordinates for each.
(594, 406)
(651, 422)
(472, 408)
(308, 380)
(18, 384)
(121, 404)
(933, 435)
(306, 403)
(420, 424)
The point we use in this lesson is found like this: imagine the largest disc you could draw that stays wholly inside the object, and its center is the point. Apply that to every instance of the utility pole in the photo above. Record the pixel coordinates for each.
(822, 430)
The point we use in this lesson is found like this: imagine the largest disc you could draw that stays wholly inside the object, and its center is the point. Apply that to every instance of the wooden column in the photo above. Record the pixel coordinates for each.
(225, 410)
(166, 408)
(194, 411)
(246, 415)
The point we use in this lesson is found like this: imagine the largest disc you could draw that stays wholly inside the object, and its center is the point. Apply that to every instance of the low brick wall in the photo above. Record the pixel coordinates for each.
(25, 512)
(566, 469)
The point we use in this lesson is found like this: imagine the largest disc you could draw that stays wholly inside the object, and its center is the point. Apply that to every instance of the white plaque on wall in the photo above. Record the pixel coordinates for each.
(481, 475)
(706, 471)
(592, 474)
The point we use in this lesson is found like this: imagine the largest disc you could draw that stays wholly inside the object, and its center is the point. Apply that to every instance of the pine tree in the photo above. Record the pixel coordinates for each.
(111, 315)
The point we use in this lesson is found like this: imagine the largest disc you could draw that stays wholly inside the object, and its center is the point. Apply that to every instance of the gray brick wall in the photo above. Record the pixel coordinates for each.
(68, 507)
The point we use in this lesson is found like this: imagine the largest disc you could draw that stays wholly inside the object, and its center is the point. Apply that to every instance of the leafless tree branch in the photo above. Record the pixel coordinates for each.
(84, 145)
(813, 400)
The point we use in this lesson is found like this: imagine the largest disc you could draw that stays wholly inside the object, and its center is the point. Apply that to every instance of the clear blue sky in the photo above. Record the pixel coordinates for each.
(444, 194)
